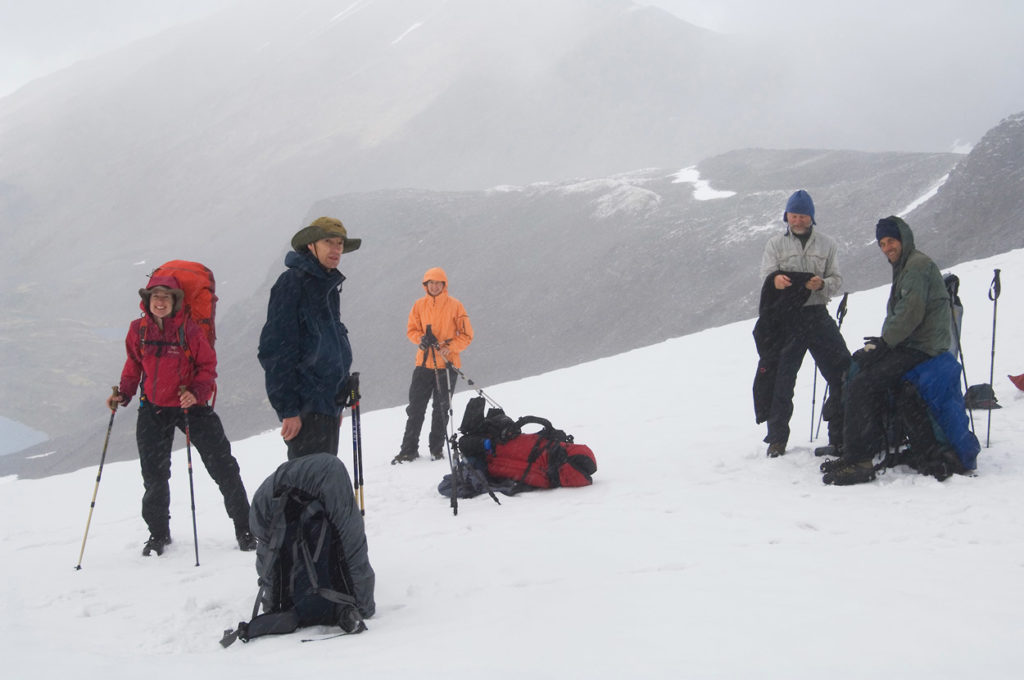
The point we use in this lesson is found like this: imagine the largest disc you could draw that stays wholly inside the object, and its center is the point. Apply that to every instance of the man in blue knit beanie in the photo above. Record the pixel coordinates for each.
(800, 264)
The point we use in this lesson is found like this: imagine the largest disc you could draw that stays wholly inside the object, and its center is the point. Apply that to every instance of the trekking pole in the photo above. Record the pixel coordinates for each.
(96, 489)
(191, 486)
(954, 289)
(814, 392)
(432, 349)
(993, 295)
(453, 447)
(840, 316)
(469, 381)
(357, 442)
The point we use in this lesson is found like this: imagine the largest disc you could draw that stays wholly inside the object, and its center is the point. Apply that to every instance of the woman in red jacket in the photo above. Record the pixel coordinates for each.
(450, 334)
(173, 362)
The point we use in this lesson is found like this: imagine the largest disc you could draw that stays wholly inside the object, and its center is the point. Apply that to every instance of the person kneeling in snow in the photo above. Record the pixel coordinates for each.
(173, 362)
(916, 328)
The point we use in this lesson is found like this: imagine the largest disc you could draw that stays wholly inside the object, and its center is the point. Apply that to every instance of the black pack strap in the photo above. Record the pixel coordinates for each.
(540, 446)
(275, 623)
(547, 430)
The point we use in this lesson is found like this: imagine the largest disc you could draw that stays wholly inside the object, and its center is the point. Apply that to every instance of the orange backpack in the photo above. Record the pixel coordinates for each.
(197, 282)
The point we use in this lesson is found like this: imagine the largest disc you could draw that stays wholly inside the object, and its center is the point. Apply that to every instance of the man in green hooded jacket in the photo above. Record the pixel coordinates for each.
(916, 328)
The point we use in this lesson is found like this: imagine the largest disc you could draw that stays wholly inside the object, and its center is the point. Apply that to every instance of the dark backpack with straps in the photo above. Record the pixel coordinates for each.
(301, 582)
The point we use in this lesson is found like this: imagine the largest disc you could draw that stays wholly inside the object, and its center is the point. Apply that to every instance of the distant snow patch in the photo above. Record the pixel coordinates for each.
(702, 190)
(407, 32)
(959, 146)
(617, 195)
(627, 198)
(343, 14)
(924, 197)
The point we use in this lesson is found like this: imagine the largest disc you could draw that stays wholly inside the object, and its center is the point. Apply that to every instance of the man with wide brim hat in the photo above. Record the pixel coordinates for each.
(304, 347)
(324, 228)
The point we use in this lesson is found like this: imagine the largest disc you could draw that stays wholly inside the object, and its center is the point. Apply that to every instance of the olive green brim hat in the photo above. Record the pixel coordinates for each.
(324, 227)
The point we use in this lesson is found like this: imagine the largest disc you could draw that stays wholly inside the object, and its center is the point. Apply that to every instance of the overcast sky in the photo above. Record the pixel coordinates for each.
(41, 36)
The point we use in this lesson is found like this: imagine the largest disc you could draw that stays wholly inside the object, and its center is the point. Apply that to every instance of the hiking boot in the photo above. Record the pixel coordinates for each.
(831, 464)
(776, 449)
(404, 457)
(156, 544)
(436, 455)
(830, 450)
(246, 541)
(846, 474)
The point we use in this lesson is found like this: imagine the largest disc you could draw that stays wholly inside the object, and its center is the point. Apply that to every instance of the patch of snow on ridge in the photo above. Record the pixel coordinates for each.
(626, 198)
(617, 195)
(407, 32)
(924, 197)
(702, 190)
(343, 14)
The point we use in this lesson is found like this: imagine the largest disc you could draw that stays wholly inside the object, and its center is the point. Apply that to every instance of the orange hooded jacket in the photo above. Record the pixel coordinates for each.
(447, 319)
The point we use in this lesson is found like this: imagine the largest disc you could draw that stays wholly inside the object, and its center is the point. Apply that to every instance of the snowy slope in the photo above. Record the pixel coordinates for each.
(692, 555)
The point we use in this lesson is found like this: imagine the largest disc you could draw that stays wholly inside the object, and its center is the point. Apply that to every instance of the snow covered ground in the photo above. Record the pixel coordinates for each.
(692, 555)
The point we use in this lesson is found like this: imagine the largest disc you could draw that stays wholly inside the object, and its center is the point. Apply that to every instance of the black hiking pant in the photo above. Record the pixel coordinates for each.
(817, 332)
(868, 399)
(154, 433)
(319, 434)
(428, 384)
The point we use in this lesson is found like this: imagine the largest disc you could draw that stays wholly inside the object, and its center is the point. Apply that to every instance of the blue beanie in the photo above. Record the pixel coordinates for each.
(801, 204)
(887, 227)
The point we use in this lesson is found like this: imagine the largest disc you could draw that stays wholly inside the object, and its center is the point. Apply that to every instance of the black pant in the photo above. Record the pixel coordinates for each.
(426, 384)
(817, 332)
(154, 433)
(867, 399)
(319, 434)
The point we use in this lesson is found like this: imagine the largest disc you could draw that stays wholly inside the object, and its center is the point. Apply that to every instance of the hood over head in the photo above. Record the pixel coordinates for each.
(165, 283)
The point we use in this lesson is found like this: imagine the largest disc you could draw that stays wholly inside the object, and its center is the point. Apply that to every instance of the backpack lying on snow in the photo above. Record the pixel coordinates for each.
(544, 459)
(305, 577)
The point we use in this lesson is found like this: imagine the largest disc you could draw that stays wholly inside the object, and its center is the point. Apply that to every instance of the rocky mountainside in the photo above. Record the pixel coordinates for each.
(553, 274)
(981, 206)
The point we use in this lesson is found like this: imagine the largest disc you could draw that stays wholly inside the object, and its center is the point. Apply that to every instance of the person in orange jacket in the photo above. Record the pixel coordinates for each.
(449, 334)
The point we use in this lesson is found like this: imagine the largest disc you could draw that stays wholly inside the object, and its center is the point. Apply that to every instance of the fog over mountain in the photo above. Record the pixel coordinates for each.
(217, 140)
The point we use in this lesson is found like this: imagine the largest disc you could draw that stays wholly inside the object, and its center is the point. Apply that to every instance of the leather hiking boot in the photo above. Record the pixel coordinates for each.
(246, 541)
(156, 544)
(776, 449)
(404, 458)
(847, 474)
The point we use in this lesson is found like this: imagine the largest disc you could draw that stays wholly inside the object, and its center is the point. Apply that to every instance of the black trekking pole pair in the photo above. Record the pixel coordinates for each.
(451, 444)
(840, 316)
(993, 294)
(99, 474)
(357, 442)
(191, 486)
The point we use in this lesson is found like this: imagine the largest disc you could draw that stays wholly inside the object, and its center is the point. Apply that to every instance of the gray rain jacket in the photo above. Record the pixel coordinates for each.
(785, 252)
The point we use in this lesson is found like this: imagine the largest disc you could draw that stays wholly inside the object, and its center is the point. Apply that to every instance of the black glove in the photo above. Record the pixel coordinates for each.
(425, 343)
(873, 350)
(871, 343)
